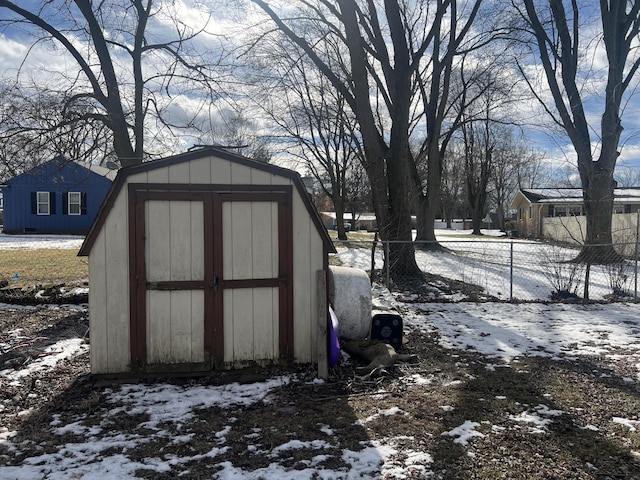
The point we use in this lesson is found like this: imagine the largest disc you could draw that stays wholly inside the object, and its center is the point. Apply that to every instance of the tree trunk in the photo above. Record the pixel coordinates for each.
(598, 204)
(501, 216)
(388, 166)
(620, 28)
(429, 202)
(425, 234)
(338, 206)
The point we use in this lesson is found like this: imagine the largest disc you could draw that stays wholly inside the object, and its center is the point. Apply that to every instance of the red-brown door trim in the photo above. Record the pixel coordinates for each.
(213, 197)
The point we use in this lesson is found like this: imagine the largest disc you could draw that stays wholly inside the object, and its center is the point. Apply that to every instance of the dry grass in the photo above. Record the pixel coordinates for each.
(580, 443)
(45, 265)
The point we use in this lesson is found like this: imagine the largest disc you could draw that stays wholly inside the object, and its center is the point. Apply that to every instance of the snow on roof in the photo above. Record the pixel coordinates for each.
(574, 195)
(363, 217)
(104, 171)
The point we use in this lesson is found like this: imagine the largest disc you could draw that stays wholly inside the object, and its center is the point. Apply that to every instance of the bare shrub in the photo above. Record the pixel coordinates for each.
(619, 276)
(561, 271)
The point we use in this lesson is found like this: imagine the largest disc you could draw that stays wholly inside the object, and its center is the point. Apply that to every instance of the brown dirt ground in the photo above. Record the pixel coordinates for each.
(581, 443)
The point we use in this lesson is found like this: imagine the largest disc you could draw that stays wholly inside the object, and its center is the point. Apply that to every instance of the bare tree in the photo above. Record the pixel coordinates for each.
(123, 70)
(235, 130)
(558, 34)
(453, 38)
(627, 177)
(479, 141)
(452, 202)
(513, 164)
(484, 126)
(378, 58)
(385, 56)
(34, 128)
(315, 124)
(322, 129)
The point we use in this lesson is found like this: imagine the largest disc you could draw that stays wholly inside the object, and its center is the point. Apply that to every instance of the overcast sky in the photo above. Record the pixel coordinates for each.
(225, 22)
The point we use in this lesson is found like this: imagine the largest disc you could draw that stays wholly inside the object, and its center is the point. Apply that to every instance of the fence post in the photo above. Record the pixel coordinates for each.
(635, 259)
(387, 264)
(511, 274)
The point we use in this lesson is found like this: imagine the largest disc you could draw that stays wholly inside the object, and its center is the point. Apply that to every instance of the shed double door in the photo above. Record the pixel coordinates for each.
(212, 279)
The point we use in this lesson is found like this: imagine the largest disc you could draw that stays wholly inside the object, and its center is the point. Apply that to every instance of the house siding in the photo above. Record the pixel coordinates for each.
(549, 206)
(58, 177)
(572, 230)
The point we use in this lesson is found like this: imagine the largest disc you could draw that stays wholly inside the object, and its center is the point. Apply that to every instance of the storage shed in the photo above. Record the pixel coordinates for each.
(206, 260)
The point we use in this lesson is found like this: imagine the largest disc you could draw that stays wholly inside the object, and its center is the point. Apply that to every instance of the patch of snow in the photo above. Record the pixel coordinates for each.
(631, 424)
(464, 433)
(32, 242)
(50, 356)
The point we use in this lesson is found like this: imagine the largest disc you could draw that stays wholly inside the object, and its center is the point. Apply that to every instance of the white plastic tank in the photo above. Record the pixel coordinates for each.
(350, 296)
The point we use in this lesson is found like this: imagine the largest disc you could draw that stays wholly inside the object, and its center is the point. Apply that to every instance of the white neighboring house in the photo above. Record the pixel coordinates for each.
(362, 221)
(558, 213)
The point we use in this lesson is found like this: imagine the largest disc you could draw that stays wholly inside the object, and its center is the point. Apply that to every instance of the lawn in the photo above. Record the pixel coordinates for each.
(534, 390)
(28, 267)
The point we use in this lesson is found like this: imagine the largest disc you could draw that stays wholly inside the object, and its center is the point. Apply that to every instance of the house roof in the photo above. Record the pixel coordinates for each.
(574, 195)
(125, 172)
(62, 162)
(104, 171)
(362, 217)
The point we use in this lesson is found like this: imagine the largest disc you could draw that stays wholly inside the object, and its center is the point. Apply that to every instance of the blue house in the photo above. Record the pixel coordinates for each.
(60, 196)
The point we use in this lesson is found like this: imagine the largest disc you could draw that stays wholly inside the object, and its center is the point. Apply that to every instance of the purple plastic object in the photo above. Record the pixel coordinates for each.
(334, 343)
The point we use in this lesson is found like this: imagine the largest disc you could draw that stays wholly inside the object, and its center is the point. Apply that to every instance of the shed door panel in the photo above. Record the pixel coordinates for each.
(174, 252)
(211, 283)
(251, 284)
(175, 326)
(250, 239)
(174, 240)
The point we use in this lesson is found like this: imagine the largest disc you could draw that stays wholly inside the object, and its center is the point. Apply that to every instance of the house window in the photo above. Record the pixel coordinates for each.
(74, 203)
(575, 210)
(43, 206)
(622, 208)
(566, 211)
(530, 211)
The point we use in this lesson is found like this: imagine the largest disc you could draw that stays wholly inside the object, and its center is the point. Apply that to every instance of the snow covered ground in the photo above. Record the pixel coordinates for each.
(487, 262)
(502, 332)
(28, 242)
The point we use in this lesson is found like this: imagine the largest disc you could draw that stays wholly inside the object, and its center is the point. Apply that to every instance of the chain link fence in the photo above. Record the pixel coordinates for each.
(510, 270)
(506, 270)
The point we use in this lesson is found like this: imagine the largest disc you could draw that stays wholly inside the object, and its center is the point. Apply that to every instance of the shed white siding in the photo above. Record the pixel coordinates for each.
(109, 297)
(174, 252)
(250, 239)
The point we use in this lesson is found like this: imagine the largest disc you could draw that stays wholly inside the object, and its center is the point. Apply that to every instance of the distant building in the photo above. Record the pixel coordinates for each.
(537, 207)
(362, 221)
(60, 196)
